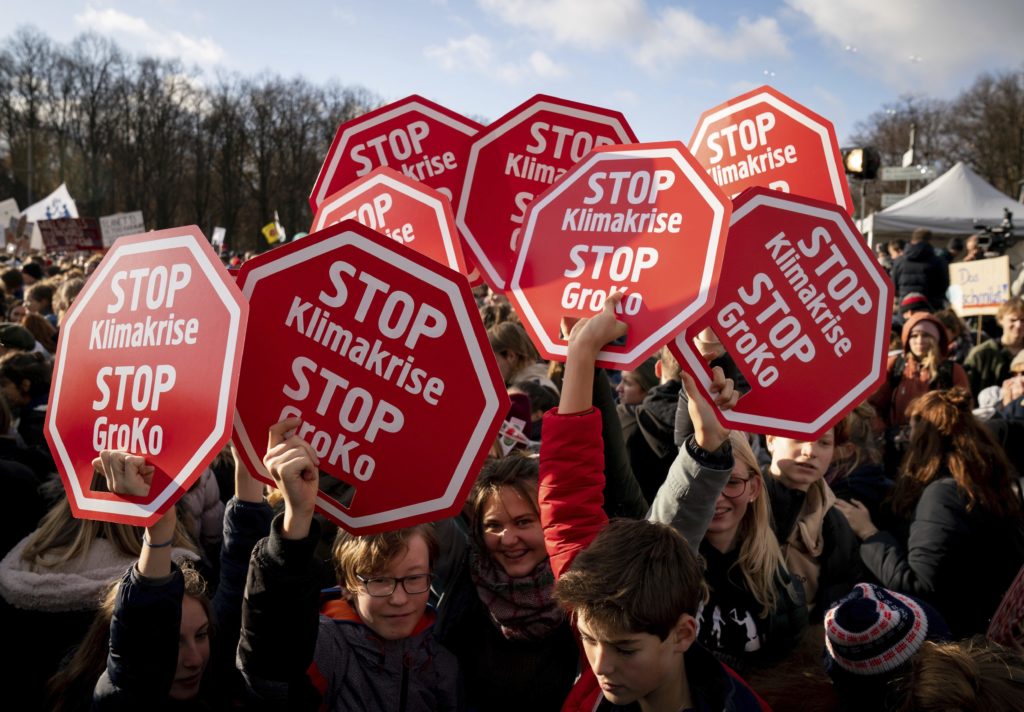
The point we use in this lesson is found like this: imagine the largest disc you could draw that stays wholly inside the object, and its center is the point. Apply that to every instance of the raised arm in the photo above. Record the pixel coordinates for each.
(687, 498)
(280, 612)
(571, 455)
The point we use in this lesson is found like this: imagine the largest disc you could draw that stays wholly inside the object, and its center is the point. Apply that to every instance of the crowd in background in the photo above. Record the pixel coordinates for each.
(625, 551)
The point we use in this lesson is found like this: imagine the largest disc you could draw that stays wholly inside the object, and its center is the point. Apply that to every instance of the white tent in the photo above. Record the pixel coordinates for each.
(950, 204)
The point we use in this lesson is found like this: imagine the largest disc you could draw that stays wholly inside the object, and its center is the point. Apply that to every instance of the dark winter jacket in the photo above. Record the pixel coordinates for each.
(840, 564)
(147, 618)
(295, 656)
(649, 431)
(501, 673)
(919, 269)
(959, 561)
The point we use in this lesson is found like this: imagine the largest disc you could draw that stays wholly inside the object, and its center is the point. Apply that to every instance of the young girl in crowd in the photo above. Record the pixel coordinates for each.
(756, 612)
(517, 357)
(960, 540)
(374, 649)
(817, 544)
(922, 366)
(52, 582)
(497, 613)
(162, 651)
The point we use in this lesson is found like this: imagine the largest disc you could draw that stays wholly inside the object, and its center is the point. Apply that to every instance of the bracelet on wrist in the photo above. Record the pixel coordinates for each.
(151, 545)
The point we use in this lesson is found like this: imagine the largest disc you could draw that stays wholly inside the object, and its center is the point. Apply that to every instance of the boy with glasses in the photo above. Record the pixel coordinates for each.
(370, 649)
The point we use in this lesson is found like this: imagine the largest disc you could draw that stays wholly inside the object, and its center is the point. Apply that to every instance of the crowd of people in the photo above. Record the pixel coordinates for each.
(626, 551)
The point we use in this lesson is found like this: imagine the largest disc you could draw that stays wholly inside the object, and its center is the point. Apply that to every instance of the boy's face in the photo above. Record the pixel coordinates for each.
(394, 617)
(633, 667)
(799, 463)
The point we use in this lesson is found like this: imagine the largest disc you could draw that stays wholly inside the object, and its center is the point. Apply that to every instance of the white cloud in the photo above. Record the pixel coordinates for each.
(918, 45)
(140, 37)
(649, 37)
(476, 53)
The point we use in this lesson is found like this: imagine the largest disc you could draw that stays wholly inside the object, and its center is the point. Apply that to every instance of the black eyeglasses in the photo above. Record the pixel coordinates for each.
(735, 487)
(384, 586)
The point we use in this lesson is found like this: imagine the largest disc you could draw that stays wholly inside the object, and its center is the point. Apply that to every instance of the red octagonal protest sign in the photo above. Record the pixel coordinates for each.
(803, 309)
(406, 210)
(147, 362)
(423, 140)
(517, 158)
(764, 138)
(381, 352)
(644, 220)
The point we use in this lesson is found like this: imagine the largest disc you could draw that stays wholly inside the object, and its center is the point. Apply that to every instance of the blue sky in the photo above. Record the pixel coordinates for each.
(660, 63)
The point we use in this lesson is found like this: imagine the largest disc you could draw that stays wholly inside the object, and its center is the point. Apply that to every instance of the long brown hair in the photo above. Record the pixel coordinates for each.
(946, 437)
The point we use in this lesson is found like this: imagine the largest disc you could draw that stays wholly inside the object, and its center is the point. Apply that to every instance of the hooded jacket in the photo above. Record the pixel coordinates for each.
(920, 269)
(894, 397)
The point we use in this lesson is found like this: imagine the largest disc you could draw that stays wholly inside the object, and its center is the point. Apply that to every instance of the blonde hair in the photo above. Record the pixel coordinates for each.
(971, 675)
(760, 559)
(61, 537)
(369, 555)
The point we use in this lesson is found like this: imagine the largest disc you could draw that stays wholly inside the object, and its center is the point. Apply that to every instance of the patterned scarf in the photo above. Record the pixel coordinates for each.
(522, 607)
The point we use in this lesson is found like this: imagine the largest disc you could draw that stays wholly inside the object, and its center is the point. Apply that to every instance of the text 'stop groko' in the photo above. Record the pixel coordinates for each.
(764, 138)
(147, 362)
(372, 345)
(422, 139)
(803, 309)
(644, 220)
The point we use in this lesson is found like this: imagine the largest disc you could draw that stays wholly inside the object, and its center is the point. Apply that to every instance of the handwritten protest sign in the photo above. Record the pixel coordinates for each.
(979, 287)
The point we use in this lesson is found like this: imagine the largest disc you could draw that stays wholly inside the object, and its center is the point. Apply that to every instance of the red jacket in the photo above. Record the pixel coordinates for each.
(570, 496)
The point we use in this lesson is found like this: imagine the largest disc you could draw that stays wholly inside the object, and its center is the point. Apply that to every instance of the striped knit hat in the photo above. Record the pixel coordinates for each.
(874, 631)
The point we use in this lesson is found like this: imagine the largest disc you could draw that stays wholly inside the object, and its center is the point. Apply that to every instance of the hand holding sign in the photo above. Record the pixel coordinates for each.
(125, 473)
(293, 464)
(708, 432)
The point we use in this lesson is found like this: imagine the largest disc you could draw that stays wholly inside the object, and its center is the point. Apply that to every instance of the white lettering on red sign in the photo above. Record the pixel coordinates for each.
(825, 309)
(363, 298)
(749, 135)
(373, 214)
(403, 144)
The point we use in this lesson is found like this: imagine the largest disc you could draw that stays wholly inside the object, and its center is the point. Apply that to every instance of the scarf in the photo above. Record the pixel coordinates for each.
(522, 607)
(806, 542)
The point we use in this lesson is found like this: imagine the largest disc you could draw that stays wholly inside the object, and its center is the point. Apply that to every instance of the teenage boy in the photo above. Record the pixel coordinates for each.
(632, 587)
(372, 649)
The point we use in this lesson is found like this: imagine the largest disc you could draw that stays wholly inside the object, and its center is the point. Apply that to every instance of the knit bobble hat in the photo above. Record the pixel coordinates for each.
(915, 300)
(874, 631)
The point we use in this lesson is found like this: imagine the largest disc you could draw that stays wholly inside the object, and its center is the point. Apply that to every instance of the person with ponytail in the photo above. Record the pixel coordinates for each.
(959, 537)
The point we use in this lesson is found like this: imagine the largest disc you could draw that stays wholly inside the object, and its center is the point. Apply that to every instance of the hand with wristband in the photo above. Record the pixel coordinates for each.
(128, 474)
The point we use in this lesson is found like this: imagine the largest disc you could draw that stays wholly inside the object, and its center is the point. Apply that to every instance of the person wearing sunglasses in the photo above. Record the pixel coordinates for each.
(372, 648)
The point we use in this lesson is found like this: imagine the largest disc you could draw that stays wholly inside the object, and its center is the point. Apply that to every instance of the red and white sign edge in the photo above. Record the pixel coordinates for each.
(423, 196)
(204, 451)
(328, 171)
(460, 218)
(481, 432)
(657, 339)
(837, 174)
(698, 368)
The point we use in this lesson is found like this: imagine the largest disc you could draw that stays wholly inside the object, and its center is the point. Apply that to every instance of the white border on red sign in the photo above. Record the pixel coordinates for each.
(699, 367)
(134, 509)
(659, 337)
(474, 151)
(834, 173)
(328, 171)
(448, 287)
(423, 197)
